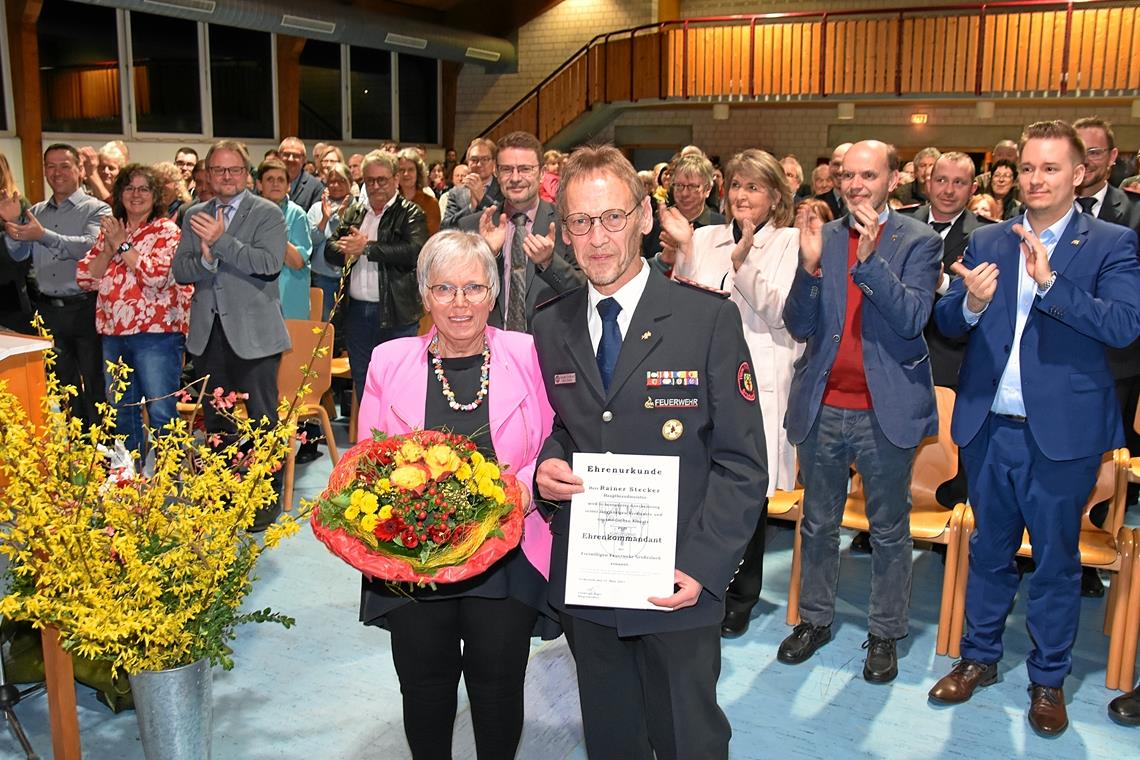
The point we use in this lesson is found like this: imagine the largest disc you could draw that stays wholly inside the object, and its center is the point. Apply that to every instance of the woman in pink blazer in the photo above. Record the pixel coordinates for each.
(485, 383)
(753, 258)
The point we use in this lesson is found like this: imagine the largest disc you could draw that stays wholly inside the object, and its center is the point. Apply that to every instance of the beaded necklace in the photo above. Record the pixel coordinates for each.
(484, 377)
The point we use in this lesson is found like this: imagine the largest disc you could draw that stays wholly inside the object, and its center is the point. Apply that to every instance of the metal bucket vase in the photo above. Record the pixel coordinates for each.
(175, 711)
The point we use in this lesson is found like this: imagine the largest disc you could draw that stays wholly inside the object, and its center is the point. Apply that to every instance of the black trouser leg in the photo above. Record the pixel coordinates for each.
(744, 591)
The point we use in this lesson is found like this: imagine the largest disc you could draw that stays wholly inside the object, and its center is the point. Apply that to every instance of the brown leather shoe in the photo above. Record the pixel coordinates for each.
(959, 684)
(1047, 710)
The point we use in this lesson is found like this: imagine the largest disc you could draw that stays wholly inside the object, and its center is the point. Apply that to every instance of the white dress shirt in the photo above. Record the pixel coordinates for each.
(627, 296)
(364, 282)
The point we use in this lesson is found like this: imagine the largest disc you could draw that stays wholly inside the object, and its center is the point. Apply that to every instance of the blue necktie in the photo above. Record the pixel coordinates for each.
(610, 345)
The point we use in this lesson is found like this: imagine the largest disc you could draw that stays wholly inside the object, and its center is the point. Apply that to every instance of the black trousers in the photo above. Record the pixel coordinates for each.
(649, 696)
(227, 370)
(744, 591)
(426, 638)
(78, 351)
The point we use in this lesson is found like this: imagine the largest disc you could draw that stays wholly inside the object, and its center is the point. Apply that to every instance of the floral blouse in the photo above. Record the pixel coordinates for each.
(142, 300)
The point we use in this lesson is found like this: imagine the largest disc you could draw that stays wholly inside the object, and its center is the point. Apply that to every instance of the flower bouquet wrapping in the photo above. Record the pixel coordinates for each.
(424, 508)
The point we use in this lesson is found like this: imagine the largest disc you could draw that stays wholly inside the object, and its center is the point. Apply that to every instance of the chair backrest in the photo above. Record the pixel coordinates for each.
(291, 375)
(936, 460)
(316, 304)
(1111, 486)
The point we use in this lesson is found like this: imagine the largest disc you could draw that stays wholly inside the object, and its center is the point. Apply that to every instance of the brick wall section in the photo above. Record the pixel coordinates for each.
(809, 131)
(543, 45)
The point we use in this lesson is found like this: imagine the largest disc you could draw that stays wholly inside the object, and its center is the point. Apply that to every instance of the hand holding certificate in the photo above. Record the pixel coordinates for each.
(623, 532)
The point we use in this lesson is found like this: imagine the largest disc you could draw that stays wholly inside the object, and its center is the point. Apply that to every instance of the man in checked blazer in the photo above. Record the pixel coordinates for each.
(232, 250)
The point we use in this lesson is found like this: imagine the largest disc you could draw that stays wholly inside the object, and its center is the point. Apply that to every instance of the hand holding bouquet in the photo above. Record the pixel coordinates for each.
(425, 507)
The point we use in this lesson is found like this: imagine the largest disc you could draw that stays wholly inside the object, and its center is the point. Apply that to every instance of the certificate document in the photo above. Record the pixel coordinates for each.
(623, 530)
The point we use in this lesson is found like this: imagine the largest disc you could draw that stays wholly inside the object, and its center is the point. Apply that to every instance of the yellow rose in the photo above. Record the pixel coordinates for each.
(409, 477)
(369, 522)
(464, 472)
(386, 512)
(409, 452)
(441, 460)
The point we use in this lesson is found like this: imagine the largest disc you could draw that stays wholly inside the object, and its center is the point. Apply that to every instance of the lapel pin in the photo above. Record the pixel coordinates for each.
(1076, 242)
(646, 335)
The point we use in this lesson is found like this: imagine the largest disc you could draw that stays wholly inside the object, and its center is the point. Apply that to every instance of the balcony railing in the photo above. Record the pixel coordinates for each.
(1020, 48)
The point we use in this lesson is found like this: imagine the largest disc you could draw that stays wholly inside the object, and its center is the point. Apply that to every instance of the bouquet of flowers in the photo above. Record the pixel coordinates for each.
(422, 508)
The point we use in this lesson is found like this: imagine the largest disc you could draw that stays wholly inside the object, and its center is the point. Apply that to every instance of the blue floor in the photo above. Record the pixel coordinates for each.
(326, 688)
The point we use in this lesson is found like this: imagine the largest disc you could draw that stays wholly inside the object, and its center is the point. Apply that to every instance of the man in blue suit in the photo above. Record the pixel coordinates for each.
(862, 393)
(1041, 295)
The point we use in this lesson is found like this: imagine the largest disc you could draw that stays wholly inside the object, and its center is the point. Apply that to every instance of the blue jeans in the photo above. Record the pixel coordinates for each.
(156, 359)
(365, 334)
(838, 438)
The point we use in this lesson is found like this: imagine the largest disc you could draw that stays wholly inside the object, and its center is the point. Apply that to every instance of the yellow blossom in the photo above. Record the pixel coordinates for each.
(386, 512)
(369, 522)
(384, 485)
(365, 502)
(409, 452)
(409, 477)
(464, 472)
(441, 460)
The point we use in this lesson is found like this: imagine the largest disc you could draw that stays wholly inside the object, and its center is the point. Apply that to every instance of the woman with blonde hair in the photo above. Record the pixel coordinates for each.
(753, 257)
(172, 190)
(411, 177)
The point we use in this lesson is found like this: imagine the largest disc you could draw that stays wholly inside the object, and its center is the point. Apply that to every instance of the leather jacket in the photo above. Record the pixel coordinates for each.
(400, 235)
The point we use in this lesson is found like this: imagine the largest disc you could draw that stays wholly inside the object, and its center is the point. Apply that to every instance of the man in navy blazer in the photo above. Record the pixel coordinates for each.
(1041, 296)
(862, 393)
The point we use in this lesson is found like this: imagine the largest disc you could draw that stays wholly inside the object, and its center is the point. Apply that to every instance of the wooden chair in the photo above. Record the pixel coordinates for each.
(341, 369)
(788, 506)
(1111, 548)
(935, 462)
(316, 304)
(291, 376)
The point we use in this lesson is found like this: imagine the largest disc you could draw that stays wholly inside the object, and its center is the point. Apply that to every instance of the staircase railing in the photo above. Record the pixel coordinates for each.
(1017, 48)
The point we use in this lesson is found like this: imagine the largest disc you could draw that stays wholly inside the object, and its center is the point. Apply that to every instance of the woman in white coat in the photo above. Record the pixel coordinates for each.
(753, 258)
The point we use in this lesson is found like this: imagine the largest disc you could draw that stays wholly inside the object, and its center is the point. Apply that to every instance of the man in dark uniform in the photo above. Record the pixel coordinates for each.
(647, 678)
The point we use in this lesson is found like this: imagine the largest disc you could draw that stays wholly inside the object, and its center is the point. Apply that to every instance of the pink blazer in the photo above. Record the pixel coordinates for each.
(395, 395)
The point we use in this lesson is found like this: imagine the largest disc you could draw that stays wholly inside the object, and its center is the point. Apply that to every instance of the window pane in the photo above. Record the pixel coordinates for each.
(241, 77)
(320, 90)
(418, 99)
(371, 84)
(165, 55)
(79, 72)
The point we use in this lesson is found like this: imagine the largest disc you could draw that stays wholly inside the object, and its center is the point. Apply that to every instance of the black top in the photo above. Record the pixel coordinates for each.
(512, 576)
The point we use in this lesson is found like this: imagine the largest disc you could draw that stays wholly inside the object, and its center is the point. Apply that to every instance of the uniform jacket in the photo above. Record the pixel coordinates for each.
(1070, 399)
(562, 274)
(898, 282)
(243, 292)
(395, 396)
(946, 354)
(721, 449)
(758, 289)
(400, 235)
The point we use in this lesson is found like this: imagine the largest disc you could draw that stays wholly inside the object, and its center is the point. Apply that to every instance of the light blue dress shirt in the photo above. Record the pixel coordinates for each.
(1009, 399)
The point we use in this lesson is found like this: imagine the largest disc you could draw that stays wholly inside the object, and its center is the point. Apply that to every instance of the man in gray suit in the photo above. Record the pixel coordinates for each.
(304, 188)
(232, 251)
(524, 233)
(479, 190)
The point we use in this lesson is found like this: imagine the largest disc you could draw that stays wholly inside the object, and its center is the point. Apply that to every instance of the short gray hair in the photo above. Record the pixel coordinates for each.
(454, 247)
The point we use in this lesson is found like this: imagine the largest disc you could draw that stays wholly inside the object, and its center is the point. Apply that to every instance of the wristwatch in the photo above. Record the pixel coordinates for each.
(124, 247)
(1043, 289)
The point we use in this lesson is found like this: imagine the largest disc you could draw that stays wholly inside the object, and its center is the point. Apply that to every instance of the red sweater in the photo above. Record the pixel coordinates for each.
(847, 383)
